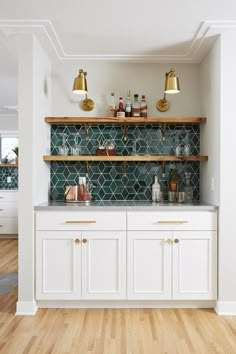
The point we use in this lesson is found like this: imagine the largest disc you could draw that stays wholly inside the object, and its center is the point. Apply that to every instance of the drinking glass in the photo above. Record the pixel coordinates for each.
(63, 149)
(76, 149)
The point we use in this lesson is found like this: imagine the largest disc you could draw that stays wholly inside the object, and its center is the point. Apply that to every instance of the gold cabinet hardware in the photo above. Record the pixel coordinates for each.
(80, 222)
(77, 240)
(1, 225)
(84, 240)
(176, 240)
(171, 222)
(1, 209)
(169, 241)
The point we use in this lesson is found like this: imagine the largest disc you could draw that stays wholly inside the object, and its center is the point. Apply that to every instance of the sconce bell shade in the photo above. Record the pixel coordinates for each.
(172, 83)
(80, 84)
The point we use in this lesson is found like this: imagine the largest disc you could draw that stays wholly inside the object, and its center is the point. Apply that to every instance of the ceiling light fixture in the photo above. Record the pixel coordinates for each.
(171, 87)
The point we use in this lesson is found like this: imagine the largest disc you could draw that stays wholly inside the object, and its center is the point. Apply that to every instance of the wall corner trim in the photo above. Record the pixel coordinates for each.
(226, 308)
(26, 308)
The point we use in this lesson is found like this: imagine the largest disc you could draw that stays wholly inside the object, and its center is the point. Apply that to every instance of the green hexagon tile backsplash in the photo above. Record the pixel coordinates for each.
(110, 179)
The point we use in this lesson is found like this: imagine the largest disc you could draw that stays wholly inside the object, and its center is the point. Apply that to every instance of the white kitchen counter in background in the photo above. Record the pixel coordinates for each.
(124, 206)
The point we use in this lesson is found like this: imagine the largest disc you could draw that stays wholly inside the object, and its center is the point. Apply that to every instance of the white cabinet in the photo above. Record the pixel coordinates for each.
(149, 265)
(175, 264)
(58, 265)
(194, 265)
(104, 265)
(8, 212)
(80, 263)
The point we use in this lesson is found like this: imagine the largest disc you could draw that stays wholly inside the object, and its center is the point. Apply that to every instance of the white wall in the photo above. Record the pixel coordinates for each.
(34, 105)
(227, 224)
(103, 78)
(210, 132)
(9, 122)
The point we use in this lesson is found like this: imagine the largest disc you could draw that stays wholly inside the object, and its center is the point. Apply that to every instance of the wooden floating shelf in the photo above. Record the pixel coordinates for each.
(123, 158)
(107, 120)
(8, 165)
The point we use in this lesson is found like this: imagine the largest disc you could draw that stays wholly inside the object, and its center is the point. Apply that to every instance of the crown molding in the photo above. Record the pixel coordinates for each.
(205, 35)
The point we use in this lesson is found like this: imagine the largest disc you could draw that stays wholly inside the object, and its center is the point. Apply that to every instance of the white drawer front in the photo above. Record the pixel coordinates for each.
(62, 220)
(172, 220)
(8, 209)
(8, 225)
(7, 196)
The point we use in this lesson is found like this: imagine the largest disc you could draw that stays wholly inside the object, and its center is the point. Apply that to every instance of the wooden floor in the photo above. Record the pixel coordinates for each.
(136, 331)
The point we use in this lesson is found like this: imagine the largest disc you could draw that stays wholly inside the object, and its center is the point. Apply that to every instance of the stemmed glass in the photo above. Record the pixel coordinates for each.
(63, 149)
(76, 149)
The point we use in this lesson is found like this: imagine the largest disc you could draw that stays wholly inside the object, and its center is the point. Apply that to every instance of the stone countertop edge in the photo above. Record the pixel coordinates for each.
(124, 206)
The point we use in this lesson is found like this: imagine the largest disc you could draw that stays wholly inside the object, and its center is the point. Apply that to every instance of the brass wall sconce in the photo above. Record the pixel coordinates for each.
(171, 87)
(80, 87)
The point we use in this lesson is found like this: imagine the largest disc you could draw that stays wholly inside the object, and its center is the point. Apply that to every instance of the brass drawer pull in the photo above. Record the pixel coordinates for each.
(172, 222)
(80, 222)
(176, 240)
(1, 225)
(1, 209)
(77, 240)
(84, 240)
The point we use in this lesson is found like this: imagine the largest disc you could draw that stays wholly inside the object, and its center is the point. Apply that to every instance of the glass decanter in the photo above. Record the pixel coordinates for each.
(188, 188)
(63, 149)
(76, 149)
(186, 151)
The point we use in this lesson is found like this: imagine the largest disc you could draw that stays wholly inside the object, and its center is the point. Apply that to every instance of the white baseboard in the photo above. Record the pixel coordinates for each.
(26, 308)
(124, 304)
(226, 308)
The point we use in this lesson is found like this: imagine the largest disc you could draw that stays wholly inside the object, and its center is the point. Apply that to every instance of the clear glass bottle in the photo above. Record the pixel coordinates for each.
(128, 105)
(188, 188)
(120, 111)
(136, 107)
(143, 107)
(112, 106)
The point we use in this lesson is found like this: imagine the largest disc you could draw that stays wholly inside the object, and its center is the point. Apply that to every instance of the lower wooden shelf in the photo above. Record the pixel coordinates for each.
(8, 165)
(124, 158)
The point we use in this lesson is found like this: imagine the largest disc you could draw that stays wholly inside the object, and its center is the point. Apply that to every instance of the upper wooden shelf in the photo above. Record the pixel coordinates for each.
(131, 120)
(123, 158)
(8, 165)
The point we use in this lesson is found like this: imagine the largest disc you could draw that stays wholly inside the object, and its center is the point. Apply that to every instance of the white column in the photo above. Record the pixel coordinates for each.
(34, 105)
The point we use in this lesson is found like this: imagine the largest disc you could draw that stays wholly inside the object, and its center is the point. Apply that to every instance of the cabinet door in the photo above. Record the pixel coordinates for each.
(104, 265)
(149, 265)
(194, 265)
(58, 265)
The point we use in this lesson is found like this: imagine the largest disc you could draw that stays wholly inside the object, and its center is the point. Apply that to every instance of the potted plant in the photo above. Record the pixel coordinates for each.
(173, 180)
(16, 151)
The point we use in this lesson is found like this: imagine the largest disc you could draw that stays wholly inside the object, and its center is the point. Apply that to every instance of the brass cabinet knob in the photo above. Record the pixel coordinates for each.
(176, 240)
(169, 241)
(84, 240)
(77, 240)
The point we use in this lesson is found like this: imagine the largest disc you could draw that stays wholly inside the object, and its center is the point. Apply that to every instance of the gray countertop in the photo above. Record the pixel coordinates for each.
(123, 205)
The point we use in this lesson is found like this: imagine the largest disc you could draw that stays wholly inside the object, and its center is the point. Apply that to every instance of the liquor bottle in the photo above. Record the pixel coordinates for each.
(112, 106)
(156, 190)
(143, 107)
(136, 107)
(128, 105)
(120, 111)
(188, 188)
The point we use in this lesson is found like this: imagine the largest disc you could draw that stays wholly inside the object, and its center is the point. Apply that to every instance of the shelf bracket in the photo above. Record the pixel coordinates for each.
(163, 130)
(163, 167)
(124, 127)
(86, 130)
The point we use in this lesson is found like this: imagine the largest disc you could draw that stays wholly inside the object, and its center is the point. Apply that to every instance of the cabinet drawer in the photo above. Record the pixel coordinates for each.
(7, 196)
(8, 209)
(172, 220)
(8, 226)
(80, 220)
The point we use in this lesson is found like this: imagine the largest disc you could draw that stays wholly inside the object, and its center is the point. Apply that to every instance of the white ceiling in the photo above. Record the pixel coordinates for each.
(148, 30)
